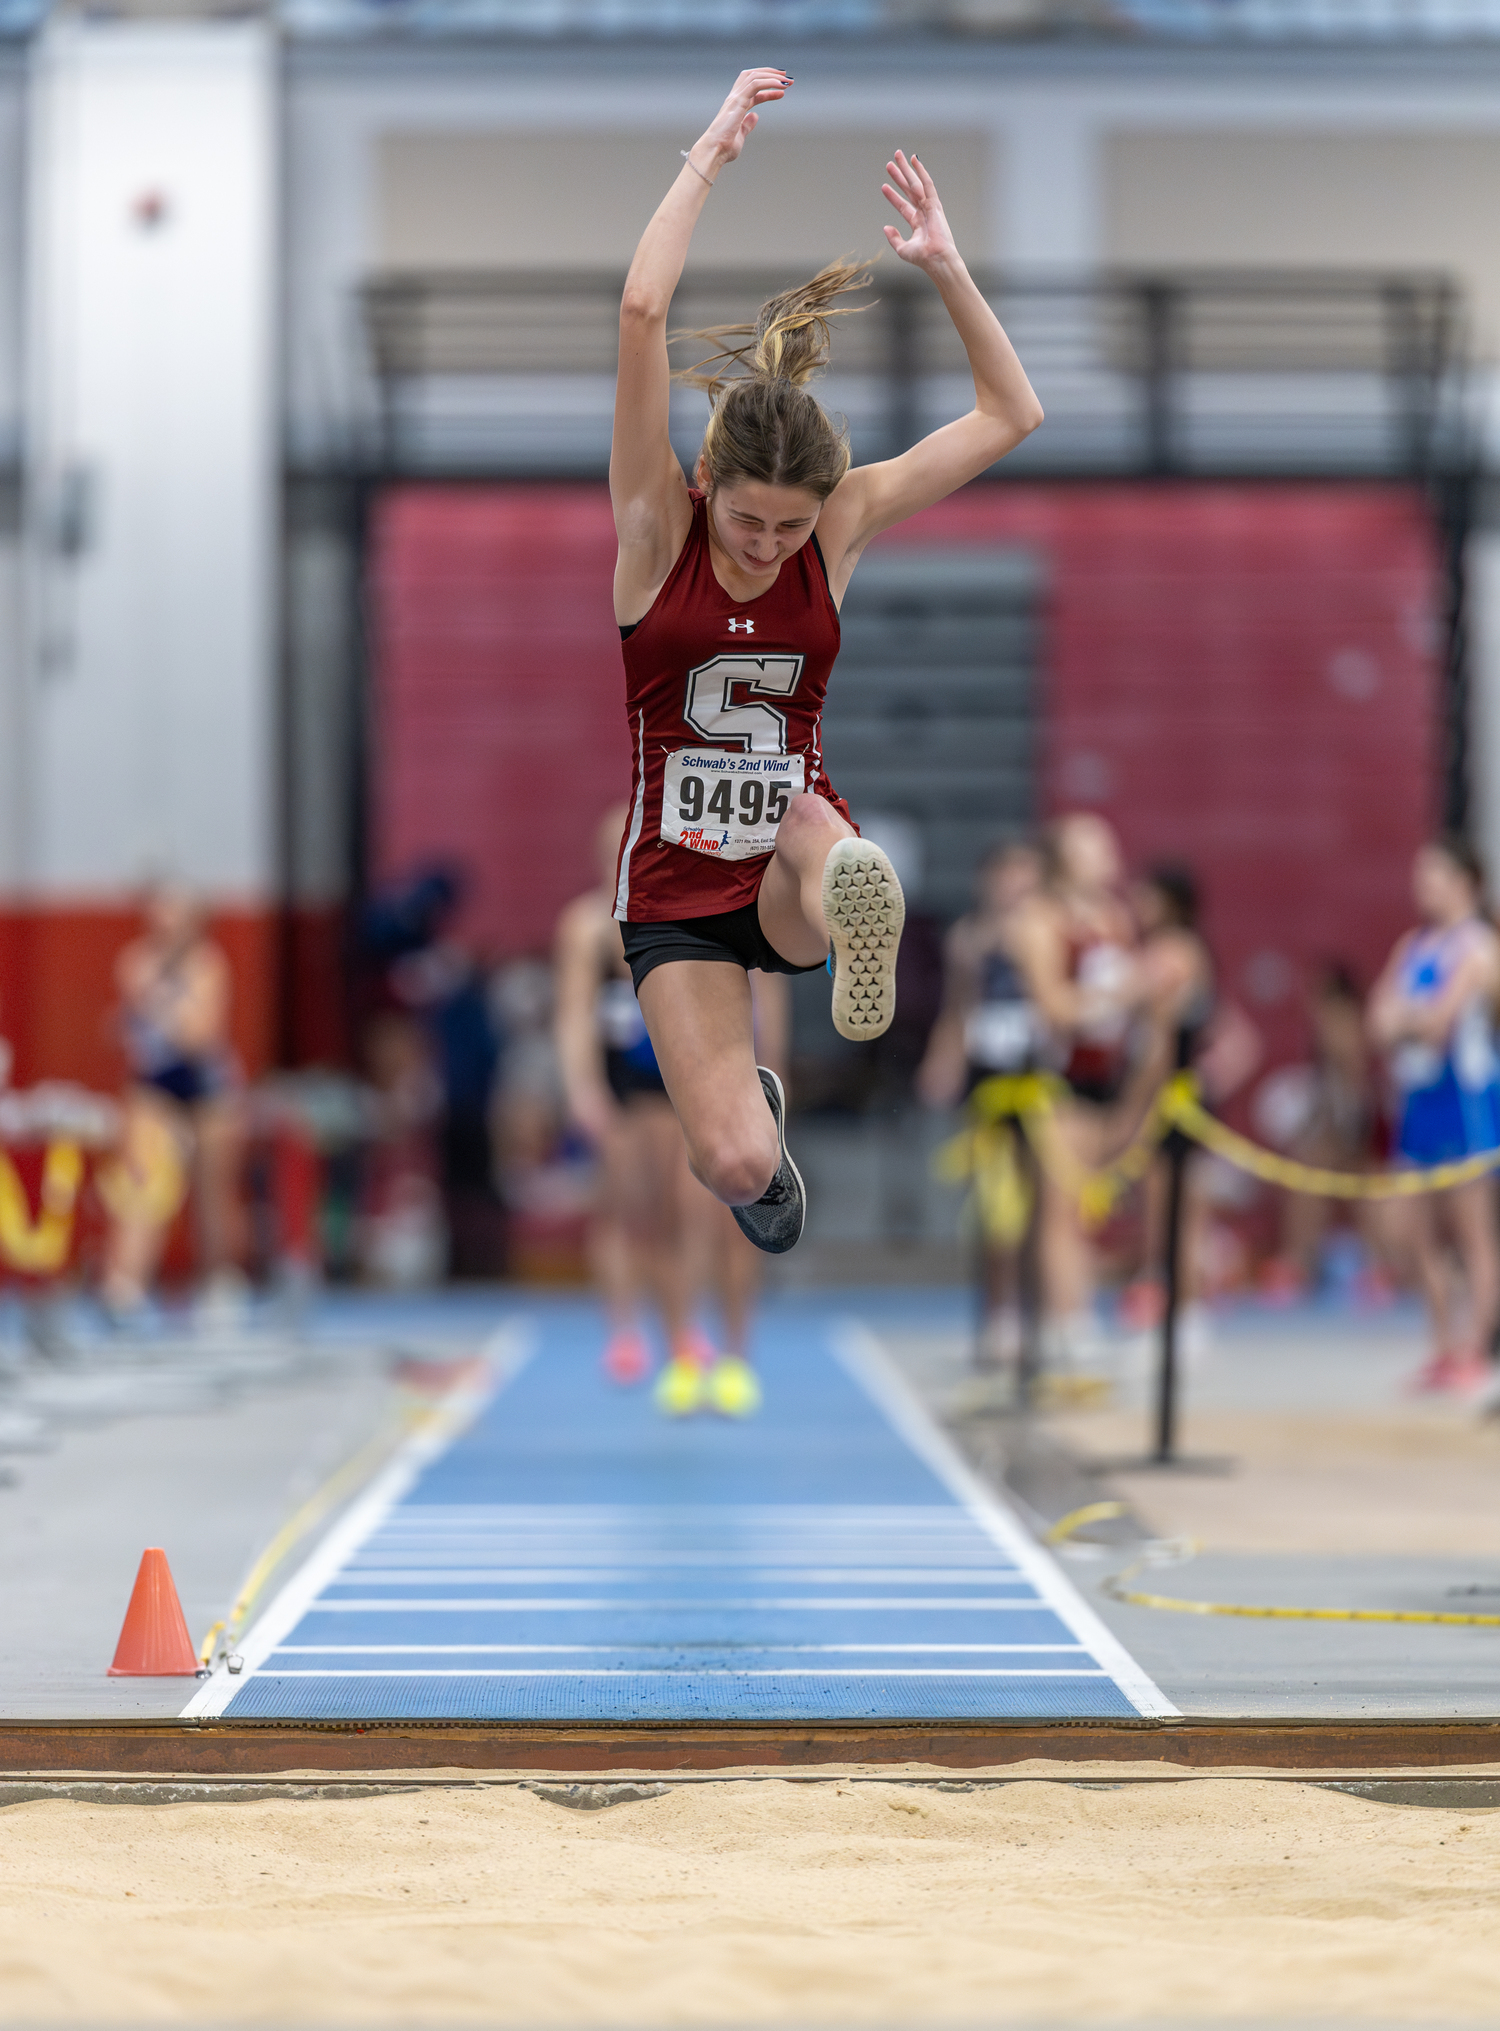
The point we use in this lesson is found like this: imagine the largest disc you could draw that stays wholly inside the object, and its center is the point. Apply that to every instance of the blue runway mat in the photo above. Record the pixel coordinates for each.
(572, 1556)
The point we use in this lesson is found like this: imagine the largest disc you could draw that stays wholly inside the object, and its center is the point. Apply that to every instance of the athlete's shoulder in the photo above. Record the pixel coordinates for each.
(676, 583)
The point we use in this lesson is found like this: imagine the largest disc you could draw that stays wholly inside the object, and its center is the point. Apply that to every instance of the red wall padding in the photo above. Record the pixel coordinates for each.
(499, 729)
(1244, 676)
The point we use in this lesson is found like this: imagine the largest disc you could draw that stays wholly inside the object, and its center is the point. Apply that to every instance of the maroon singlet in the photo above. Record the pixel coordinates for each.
(720, 679)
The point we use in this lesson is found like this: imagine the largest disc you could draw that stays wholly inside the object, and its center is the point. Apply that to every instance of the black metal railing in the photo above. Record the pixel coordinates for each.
(1223, 372)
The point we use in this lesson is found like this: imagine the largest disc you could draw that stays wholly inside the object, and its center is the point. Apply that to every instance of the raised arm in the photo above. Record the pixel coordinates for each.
(872, 497)
(646, 482)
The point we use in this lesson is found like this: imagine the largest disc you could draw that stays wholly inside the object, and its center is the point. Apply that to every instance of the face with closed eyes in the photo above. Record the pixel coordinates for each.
(757, 525)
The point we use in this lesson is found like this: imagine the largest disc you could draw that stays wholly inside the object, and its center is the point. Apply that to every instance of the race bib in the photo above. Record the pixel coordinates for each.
(999, 1036)
(727, 804)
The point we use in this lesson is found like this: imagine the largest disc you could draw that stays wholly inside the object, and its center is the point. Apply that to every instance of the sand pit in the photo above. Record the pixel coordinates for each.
(729, 1904)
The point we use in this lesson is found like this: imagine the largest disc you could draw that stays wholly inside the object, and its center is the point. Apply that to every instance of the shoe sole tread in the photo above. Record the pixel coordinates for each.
(864, 910)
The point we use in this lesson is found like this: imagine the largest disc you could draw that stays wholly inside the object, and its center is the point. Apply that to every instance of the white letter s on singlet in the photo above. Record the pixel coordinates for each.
(757, 729)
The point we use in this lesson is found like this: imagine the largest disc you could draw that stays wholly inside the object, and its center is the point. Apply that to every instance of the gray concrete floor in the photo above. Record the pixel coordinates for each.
(206, 1444)
(203, 1444)
(1225, 1666)
(1313, 1360)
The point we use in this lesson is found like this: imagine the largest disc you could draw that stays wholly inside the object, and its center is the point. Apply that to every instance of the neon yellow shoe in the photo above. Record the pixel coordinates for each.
(680, 1388)
(733, 1388)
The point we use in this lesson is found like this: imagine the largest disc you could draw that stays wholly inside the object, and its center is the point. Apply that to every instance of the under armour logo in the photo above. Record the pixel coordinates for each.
(748, 626)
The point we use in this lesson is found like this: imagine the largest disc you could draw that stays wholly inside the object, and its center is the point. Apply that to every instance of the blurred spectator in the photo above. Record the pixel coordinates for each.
(988, 1025)
(1074, 942)
(1433, 1012)
(413, 967)
(616, 1100)
(1185, 1024)
(184, 1102)
(1325, 1113)
(407, 916)
(987, 1022)
(445, 987)
(403, 1236)
(528, 1113)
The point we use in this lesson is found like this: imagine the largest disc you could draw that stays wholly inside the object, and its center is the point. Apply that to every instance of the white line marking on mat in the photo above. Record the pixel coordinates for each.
(506, 1352)
(868, 1363)
(712, 1671)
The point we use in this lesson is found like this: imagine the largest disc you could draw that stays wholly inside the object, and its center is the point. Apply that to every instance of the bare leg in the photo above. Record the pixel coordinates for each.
(1067, 1281)
(791, 891)
(1382, 1237)
(612, 1270)
(154, 1133)
(650, 1186)
(1066, 1256)
(725, 1263)
(219, 1134)
(698, 1013)
(610, 1257)
(1471, 1213)
(1304, 1222)
(1431, 1270)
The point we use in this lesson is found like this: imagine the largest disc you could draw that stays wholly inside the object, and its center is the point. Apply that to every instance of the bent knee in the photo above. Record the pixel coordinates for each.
(738, 1172)
(811, 817)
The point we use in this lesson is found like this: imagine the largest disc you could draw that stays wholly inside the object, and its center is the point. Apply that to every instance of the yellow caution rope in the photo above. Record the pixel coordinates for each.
(1189, 1114)
(1068, 1526)
(1076, 1519)
(1031, 1099)
(984, 1153)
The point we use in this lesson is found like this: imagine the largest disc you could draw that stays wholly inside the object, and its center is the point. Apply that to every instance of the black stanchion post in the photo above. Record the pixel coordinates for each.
(1177, 1149)
(1029, 1276)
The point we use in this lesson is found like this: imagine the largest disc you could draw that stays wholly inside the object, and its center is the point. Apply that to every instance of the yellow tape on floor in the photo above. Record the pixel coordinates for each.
(1067, 1527)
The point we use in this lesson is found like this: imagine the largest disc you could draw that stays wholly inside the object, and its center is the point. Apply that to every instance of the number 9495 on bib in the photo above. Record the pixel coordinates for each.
(726, 804)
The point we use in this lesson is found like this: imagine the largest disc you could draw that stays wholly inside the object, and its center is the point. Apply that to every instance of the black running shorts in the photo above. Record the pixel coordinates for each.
(734, 937)
(629, 1081)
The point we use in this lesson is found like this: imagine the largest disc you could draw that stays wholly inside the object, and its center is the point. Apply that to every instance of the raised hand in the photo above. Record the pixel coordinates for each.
(915, 198)
(737, 119)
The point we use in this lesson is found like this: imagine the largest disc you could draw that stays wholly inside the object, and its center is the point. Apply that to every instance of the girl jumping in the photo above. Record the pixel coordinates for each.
(738, 852)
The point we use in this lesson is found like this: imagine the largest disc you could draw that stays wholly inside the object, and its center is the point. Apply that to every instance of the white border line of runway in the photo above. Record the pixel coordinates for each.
(859, 1351)
(505, 1353)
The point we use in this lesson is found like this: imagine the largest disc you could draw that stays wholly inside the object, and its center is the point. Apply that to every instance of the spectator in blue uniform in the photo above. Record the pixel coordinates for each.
(1433, 1013)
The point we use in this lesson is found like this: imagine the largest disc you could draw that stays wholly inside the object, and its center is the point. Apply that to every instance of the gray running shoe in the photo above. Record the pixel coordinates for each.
(774, 1221)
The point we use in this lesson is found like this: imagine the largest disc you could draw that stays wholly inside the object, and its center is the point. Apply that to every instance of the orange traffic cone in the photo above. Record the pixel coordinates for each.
(154, 1642)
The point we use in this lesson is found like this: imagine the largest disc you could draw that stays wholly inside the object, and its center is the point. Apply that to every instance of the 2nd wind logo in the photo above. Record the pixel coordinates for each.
(705, 842)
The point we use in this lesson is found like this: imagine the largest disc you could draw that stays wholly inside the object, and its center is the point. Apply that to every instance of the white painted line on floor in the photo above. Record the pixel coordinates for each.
(459, 1576)
(821, 1604)
(620, 1649)
(693, 1671)
(868, 1363)
(506, 1352)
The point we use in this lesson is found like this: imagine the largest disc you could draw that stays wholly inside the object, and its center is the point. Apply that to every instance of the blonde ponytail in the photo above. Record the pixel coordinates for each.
(763, 425)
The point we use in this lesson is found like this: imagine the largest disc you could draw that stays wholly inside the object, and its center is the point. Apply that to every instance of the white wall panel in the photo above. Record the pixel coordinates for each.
(152, 457)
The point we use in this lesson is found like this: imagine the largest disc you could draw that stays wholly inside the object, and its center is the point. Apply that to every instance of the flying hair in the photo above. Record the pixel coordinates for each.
(763, 424)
